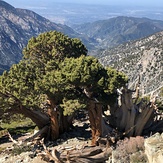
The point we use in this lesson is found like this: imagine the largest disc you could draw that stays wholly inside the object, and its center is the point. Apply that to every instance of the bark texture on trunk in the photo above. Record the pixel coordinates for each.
(58, 122)
(39, 118)
(54, 125)
(95, 118)
(53, 119)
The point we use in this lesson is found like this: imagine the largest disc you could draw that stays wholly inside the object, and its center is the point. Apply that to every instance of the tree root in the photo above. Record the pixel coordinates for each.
(87, 154)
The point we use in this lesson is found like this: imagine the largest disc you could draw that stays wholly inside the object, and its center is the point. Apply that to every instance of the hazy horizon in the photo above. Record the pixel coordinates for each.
(145, 3)
(72, 12)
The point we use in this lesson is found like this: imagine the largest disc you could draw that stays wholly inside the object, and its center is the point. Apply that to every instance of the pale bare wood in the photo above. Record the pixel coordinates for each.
(39, 133)
(127, 110)
(14, 141)
(52, 156)
(132, 118)
(143, 119)
(86, 154)
(137, 90)
(129, 129)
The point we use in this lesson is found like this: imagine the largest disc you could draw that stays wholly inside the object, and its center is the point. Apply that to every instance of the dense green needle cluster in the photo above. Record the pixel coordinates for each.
(57, 67)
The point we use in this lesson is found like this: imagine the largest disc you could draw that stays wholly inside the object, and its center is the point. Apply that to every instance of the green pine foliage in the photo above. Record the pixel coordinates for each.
(71, 105)
(53, 45)
(57, 67)
(115, 80)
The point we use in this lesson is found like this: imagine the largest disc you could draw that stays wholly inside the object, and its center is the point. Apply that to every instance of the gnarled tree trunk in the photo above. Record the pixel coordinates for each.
(127, 117)
(131, 118)
(95, 118)
(58, 122)
(39, 118)
(54, 120)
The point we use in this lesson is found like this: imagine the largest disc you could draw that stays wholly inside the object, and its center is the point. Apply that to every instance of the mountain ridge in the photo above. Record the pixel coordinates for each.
(143, 57)
(118, 30)
(17, 26)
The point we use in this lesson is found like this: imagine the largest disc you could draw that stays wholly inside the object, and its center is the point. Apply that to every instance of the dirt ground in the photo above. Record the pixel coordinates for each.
(78, 136)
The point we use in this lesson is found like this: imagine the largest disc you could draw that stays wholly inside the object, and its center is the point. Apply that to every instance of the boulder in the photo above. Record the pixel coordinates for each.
(154, 148)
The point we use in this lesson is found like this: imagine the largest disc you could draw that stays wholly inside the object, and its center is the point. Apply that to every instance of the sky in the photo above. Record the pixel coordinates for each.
(159, 3)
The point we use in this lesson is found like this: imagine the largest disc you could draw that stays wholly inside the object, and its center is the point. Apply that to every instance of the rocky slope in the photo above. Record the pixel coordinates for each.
(143, 57)
(17, 26)
(114, 31)
(129, 150)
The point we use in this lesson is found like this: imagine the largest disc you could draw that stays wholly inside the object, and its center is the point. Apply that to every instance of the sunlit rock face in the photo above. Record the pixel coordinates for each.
(154, 148)
(140, 59)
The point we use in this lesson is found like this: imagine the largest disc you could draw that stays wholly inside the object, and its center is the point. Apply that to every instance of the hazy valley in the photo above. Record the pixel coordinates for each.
(78, 13)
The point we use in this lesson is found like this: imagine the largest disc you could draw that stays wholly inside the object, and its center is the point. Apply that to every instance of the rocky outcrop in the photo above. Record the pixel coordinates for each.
(154, 148)
(139, 58)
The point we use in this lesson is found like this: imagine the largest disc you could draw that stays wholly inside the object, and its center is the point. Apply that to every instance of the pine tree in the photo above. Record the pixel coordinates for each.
(54, 80)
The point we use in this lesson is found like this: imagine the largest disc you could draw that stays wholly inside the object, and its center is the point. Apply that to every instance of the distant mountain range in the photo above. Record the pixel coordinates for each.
(17, 26)
(118, 30)
(142, 58)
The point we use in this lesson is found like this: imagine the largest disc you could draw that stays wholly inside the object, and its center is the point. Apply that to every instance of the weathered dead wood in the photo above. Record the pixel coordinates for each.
(126, 105)
(39, 133)
(11, 138)
(137, 90)
(132, 118)
(127, 108)
(82, 160)
(86, 154)
(94, 154)
(99, 157)
(105, 127)
(143, 119)
(54, 156)
(88, 151)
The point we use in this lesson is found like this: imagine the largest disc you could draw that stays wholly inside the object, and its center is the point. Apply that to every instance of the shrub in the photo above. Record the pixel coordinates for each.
(130, 150)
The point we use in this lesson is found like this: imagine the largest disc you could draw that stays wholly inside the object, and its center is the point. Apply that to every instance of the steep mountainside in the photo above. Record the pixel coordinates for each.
(143, 57)
(17, 26)
(114, 31)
